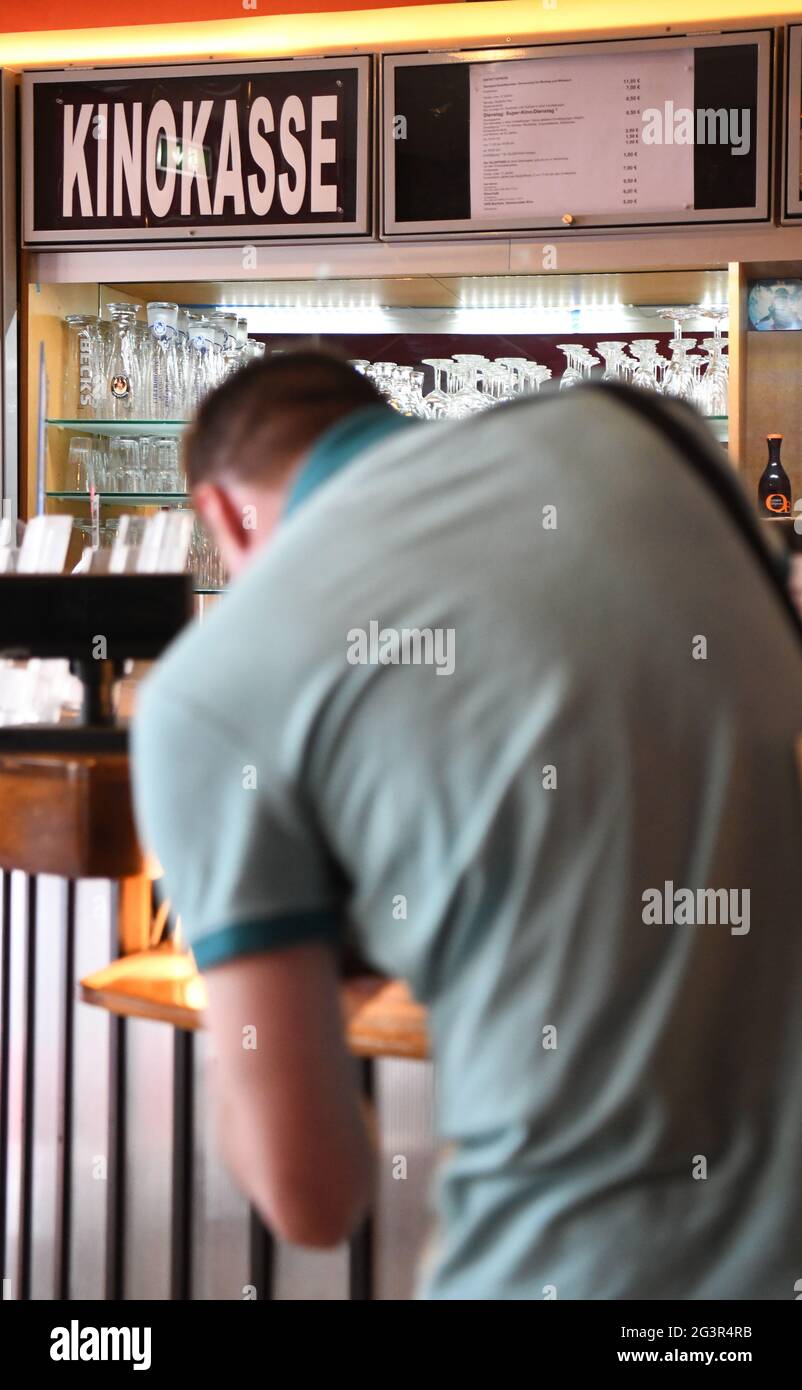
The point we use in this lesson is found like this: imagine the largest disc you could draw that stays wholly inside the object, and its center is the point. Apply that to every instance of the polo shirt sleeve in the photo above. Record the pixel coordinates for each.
(244, 864)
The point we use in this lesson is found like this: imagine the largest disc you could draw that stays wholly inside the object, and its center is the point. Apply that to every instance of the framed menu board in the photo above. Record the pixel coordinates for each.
(792, 182)
(634, 132)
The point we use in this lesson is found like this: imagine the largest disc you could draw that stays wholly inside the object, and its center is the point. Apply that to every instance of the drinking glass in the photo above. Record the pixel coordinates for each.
(205, 561)
(123, 394)
(165, 466)
(231, 352)
(572, 376)
(500, 382)
(80, 463)
(678, 317)
(715, 313)
(517, 368)
(83, 368)
(164, 378)
(646, 373)
(200, 377)
(712, 393)
(147, 464)
(586, 362)
(612, 353)
(380, 373)
(124, 468)
(468, 398)
(143, 344)
(436, 400)
(415, 394)
(679, 379)
(183, 352)
(534, 374)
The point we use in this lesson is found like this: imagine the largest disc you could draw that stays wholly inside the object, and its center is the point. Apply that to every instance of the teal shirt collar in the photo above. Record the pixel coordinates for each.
(340, 444)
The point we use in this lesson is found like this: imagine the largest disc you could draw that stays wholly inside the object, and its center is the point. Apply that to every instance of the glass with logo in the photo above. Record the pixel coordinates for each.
(123, 394)
(164, 384)
(83, 367)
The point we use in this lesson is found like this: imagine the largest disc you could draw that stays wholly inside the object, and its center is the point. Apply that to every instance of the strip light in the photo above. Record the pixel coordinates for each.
(498, 22)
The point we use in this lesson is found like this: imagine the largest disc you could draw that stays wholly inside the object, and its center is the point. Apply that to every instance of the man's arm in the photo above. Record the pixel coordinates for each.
(289, 1111)
(262, 906)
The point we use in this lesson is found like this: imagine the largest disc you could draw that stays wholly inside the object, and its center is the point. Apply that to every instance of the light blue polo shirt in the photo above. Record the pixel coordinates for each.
(492, 688)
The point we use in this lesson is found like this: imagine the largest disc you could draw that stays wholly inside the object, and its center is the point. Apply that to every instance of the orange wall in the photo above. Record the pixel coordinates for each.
(27, 16)
(188, 29)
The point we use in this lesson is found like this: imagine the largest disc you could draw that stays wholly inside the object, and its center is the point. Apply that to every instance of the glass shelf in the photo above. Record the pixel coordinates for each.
(720, 425)
(136, 499)
(209, 591)
(164, 429)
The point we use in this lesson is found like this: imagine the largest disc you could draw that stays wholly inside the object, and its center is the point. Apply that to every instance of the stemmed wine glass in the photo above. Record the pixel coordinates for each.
(679, 379)
(712, 393)
(678, 316)
(572, 376)
(715, 313)
(437, 401)
(468, 398)
(586, 362)
(614, 360)
(534, 374)
(646, 374)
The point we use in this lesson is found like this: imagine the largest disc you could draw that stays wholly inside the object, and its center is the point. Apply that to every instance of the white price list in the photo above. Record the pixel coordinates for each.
(556, 136)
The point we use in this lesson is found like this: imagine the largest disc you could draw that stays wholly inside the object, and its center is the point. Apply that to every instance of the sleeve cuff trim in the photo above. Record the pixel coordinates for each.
(265, 934)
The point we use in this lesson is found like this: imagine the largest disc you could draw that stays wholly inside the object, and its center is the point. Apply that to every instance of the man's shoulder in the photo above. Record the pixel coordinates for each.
(238, 664)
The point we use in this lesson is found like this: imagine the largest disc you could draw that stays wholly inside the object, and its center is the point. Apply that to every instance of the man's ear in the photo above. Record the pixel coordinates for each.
(222, 516)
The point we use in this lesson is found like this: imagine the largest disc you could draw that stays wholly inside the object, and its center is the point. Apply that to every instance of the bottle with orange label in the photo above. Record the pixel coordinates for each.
(774, 488)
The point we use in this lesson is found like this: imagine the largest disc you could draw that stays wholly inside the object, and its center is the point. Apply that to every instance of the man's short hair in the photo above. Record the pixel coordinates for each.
(266, 415)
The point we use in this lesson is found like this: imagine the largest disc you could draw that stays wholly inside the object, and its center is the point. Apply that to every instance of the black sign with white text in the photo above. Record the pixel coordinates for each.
(265, 150)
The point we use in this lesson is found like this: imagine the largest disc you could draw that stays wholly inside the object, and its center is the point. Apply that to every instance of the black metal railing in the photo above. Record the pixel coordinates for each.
(27, 935)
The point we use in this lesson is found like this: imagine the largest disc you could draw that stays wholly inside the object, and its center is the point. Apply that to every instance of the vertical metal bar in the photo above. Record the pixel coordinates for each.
(5, 1055)
(28, 1082)
(183, 1147)
(65, 1106)
(115, 1189)
(41, 435)
(9, 353)
(262, 1258)
(117, 1116)
(360, 1254)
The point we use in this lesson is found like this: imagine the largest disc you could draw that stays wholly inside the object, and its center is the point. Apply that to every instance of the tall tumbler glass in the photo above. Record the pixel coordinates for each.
(163, 394)
(123, 393)
(83, 367)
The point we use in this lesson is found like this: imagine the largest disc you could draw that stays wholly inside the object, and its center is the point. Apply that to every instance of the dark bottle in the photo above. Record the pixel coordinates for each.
(774, 488)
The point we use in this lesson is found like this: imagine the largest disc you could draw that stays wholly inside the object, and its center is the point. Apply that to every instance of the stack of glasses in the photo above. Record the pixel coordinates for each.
(469, 382)
(204, 561)
(703, 381)
(463, 384)
(127, 370)
(124, 465)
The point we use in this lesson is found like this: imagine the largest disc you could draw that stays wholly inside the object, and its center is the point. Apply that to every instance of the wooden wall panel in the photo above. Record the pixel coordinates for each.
(773, 405)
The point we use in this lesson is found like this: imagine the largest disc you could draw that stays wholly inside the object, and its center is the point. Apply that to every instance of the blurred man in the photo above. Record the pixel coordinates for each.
(511, 705)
